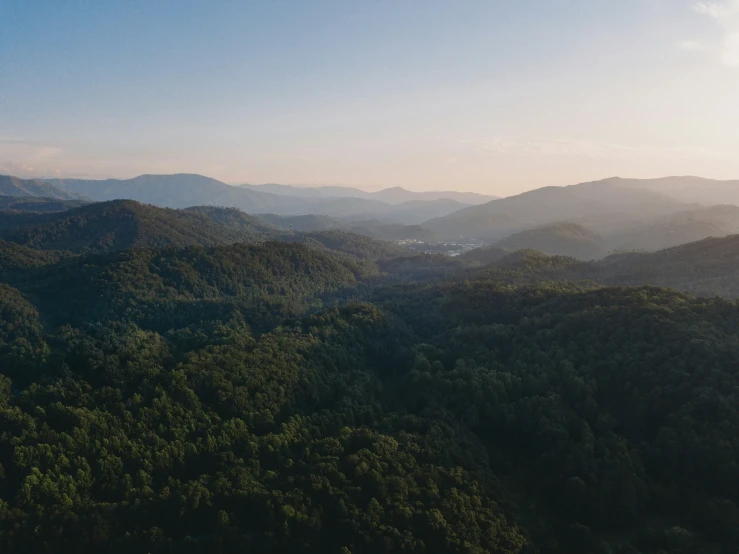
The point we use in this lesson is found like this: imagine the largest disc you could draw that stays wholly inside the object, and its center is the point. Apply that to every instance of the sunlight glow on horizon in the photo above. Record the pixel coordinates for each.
(491, 97)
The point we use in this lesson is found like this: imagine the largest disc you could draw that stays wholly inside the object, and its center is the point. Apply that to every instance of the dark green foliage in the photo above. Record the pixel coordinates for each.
(16, 257)
(237, 398)
(358, 246)
(707, 267)
(424, 267)
(388, 231)
(37, 204)
(485, 255)
(120, 224)
(22, 347)
(307, 223)
(165, 288)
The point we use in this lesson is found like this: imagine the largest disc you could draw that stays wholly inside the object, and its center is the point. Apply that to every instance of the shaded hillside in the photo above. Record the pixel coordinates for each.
(123, 224)
(14, 186)
(38, 204)
(233, 220)
(415, 212)
(688, 188)
(484, 255)
(604, 202)
(422, 267)
(562, 238)
(373, 228)
(681, 228)
(389, 231)
(706, 267)
(160, 287)
(310, 222)
(15, 257)
(359, 246)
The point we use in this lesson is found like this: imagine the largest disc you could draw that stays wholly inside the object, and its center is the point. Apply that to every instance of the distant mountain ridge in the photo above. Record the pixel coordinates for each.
(393, 195)
(602, 203)
(570, 238)
(186, 190)
(688, 188)
(35, 188)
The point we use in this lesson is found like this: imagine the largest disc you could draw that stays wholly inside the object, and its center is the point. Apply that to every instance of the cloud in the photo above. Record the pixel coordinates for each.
(693, 45)
(726, 14)
(582, 149)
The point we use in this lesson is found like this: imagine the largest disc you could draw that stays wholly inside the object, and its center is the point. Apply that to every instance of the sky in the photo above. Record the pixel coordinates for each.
(491, 96)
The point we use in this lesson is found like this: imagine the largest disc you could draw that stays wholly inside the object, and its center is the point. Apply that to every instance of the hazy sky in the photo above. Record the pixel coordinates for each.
(484, 95)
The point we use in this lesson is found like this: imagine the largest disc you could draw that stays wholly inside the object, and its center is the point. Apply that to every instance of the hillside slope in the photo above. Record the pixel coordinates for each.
(14, 186)
(707, 267)
(688, 188)
(121, 224)
(600, 203)
(561, 238)
(680, 228)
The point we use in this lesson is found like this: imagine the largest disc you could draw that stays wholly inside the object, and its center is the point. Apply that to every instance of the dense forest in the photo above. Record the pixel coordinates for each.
(202, 381)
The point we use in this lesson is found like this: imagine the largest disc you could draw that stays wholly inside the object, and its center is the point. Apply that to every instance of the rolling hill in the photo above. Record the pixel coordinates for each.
(121, 224)
(16, 187)
(124, 224)
(657, 233)
(602, 203)
(389, 231)
(562, 238)
(373, 228)
(37, 204)
(706, 267)
(687, 188)
(309, 222)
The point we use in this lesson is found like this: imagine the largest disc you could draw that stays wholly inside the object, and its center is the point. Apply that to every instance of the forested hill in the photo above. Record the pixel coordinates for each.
(358, 246)
(37, 204)
(327, 392)
(161, 287)
(444, 418)
(707, 267)
(121, 224)
(562, 238)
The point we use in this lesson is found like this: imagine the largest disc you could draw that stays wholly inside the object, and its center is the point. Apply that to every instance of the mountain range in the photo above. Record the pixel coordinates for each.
(186, 190)
(607, 205)
(202, 379)
(614, 214)
(393, 195)
(33, 188)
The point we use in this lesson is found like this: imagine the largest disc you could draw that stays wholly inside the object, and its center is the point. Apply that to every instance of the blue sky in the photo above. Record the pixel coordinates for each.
(491, 96)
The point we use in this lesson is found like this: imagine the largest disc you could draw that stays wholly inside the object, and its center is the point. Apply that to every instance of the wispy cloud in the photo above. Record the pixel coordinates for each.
(726, 14)
(582, 149)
